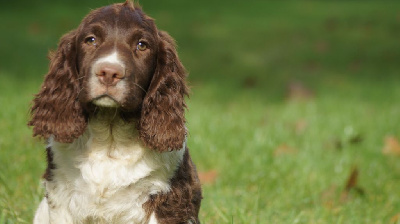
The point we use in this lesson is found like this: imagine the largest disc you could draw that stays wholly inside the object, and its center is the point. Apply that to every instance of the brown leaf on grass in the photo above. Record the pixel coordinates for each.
(331, 24)
(356, 139)
(392, 146)
(321, 46)
(329, 199)
(208, 177)
(355, 65)
(337, 144)
(328, 196)
(297, 91)
(395, 219)
(34, 28)
(352, 180)
(300, 126)
(284, 150)
(333, 144)
(250, 82)
(351, 184)
(312, 66)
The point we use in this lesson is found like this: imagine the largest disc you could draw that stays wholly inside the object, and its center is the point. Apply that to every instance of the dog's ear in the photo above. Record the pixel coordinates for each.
(162, 122)
(56, 110)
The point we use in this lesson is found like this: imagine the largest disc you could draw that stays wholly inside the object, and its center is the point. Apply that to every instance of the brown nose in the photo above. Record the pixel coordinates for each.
(109, 74)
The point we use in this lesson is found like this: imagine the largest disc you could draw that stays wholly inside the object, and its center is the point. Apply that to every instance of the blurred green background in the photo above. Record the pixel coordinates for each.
(294, 115)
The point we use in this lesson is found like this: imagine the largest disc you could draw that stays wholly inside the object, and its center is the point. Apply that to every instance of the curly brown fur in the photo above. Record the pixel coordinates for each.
(56, 110)
(162, 123)
(182, 203)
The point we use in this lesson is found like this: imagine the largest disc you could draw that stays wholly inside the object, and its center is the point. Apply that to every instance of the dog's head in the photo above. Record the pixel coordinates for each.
(116, 58)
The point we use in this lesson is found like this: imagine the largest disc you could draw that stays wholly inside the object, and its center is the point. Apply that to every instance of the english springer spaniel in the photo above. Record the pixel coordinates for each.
(112, 108)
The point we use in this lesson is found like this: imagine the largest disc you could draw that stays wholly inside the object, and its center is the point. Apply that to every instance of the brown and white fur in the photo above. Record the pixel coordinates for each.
(112, 108)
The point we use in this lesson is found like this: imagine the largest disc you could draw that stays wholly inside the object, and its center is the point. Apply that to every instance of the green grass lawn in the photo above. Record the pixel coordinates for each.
(282, 155)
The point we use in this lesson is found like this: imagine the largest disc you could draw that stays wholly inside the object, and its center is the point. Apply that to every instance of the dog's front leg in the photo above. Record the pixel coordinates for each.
(42, 213)
(51, 214)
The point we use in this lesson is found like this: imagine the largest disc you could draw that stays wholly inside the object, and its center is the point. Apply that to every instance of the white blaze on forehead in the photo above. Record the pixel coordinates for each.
(111, 58)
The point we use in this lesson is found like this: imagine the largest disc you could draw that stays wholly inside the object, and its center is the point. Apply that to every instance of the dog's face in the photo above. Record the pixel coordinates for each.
(115, 58)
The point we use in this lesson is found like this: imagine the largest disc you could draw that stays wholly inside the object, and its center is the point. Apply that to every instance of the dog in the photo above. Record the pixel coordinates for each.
(112, 109)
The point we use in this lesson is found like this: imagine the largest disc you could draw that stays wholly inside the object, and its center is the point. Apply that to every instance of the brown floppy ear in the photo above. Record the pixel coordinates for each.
(162, 122)
(56, 110)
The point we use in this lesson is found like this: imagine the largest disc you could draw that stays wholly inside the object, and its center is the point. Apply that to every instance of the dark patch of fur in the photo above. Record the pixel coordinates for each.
(162, 123)
(182, 203)
(55, 109)
(48, 175)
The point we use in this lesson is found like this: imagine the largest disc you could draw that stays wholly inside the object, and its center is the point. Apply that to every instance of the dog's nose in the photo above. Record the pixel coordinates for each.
(109, 74)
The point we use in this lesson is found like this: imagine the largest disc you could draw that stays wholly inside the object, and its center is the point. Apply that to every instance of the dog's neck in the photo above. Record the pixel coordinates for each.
(107, 128)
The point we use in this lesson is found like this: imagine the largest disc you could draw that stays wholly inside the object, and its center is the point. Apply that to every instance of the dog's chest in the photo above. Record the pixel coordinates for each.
(108, 170)
(107, 175)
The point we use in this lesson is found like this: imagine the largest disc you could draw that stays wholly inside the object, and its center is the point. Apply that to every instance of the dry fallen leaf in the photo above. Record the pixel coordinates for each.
(34, 28)
(321, 46)
(395, 219)
(352, 180)
(328, 196)
(329, 199)
(250, 82)
(284, 150)
(300, 126)
(351, 184)
(333, 144)
(337, 144)
(208, 177)
(356, 139)
(297, 91)
(392, 146)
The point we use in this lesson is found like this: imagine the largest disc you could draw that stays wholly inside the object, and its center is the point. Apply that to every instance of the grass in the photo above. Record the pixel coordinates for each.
(278, 159)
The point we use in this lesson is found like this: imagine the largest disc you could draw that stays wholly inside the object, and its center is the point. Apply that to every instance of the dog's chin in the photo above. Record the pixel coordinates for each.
(105, 101)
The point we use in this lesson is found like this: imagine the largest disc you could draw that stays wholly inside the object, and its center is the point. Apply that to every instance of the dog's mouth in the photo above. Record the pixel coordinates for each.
(105, 100)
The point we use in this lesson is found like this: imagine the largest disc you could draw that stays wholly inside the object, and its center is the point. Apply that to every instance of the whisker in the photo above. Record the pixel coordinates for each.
(80, 78)
(140, 87)
(77, 97)
(115, 113)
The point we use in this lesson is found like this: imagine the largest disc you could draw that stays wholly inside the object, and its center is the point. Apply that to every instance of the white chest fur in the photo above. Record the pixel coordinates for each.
(106, 175)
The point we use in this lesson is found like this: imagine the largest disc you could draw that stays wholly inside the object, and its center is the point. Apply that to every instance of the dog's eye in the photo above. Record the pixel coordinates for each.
(91, 40)
(141, 46)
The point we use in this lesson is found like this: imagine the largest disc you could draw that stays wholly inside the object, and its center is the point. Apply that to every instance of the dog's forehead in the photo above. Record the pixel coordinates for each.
(121, 16)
